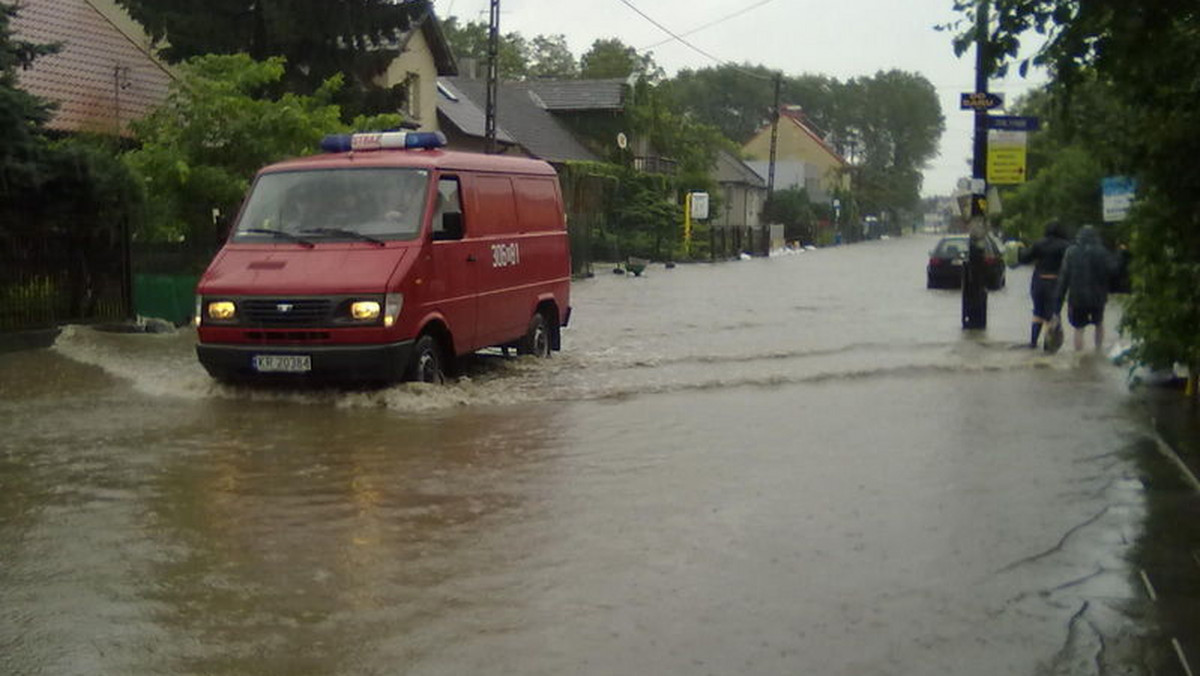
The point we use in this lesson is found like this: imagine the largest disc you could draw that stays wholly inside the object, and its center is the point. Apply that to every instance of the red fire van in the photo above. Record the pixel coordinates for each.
(384, 259)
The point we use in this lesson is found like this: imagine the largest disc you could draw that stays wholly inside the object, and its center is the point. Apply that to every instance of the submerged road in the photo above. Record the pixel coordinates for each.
(796, 465)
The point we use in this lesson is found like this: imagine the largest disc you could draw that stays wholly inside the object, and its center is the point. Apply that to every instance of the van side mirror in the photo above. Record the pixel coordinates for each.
(452, 226)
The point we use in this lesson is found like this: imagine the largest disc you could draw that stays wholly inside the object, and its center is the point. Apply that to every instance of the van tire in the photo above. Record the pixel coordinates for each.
(426, 365)
(537, 339)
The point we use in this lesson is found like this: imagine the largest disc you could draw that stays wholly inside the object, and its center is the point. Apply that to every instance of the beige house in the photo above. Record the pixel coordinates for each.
(424, 56)
(802, 158)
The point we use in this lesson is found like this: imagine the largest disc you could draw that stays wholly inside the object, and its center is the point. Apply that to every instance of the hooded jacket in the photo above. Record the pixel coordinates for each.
(1046, 254)
(1087, 270)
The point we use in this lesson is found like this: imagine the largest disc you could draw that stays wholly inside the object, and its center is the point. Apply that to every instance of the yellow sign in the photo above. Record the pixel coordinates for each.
(1006, 157)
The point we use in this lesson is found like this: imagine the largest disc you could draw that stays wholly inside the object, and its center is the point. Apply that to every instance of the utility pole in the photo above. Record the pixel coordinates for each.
(974, 287)
(493, 70)
(774, 137)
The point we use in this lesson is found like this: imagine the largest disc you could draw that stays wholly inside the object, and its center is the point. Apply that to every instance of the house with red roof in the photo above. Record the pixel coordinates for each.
(803, 158)
(105, 73)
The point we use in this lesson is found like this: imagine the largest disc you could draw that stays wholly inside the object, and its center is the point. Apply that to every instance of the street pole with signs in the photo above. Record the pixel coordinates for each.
(974, 287)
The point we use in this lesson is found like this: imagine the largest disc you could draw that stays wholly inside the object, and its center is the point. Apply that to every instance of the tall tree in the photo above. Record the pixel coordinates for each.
(896, 121)
(550, 58)
(611, 58)
(735, 99)
(1148, 52)
(317, 38)
(22, 117)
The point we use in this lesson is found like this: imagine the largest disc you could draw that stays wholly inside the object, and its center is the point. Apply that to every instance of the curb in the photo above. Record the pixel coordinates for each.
(28, 340)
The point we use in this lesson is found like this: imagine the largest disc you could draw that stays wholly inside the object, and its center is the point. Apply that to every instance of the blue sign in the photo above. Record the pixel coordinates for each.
(1117, 193)
(1014, 123)
(980, 101)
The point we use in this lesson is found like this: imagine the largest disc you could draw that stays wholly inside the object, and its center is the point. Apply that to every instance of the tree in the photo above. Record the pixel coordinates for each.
(796, 211)
(470, 41)
(317, 38)
(1147, 52)
(1067, 158)
(612, 58)
(735, 99)
(550, 58)
(22, 118)
(895, 121)
(201, 148)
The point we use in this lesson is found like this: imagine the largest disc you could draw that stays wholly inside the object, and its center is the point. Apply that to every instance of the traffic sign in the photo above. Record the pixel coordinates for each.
(1117, 193)
(1013, 123)
(980, 101)
(1006, 157)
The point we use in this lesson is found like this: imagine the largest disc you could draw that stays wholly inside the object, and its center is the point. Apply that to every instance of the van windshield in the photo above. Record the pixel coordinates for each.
(348, 204)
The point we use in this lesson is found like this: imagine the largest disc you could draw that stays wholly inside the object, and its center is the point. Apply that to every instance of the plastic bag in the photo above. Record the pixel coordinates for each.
(1053, 335)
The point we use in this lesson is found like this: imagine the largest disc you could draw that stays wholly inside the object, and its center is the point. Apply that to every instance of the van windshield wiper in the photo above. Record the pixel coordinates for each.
(279, 234)
(342, 232)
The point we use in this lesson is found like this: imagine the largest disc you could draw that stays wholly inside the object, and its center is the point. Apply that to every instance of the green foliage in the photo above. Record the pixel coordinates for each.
(89, 186)
(201, 148)
(550, 58)
(1066, 189)
(316, 38)
(893, 122)
(470, 41)
(799, 215)
(887, 125)
(643, 218)
(692, 144)
(611, 58)
(1164, 309)
(734, 99)
(22, 117)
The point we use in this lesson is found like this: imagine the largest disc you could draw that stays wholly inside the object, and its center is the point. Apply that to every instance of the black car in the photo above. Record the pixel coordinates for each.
(946, 261)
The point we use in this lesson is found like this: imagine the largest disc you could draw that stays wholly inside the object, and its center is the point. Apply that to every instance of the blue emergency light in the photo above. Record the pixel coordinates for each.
(387, 140)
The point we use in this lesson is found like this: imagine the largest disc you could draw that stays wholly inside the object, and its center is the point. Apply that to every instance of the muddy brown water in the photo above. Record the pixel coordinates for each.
(791, 465)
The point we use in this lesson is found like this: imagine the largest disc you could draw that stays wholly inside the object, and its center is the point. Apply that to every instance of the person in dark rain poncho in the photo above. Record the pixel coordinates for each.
(1046, 254)
(1087, 271)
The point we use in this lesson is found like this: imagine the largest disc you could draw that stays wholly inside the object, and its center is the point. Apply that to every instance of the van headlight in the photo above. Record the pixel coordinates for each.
(376, 310)
(365, 310)
(221, 310)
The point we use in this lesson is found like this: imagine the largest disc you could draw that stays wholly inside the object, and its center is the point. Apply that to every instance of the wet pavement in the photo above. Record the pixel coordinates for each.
(794, 465)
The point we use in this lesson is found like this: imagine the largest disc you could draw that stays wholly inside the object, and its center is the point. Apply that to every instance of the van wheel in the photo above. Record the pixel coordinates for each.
(537, 340)
(426, 366)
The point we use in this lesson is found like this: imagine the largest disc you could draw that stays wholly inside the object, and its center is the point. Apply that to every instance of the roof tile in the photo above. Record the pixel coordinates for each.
(99, 78)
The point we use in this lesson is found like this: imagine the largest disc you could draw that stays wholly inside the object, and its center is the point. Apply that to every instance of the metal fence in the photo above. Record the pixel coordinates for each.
(47, 280)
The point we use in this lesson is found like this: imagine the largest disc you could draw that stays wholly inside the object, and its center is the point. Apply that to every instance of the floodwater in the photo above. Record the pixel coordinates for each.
(795, 465)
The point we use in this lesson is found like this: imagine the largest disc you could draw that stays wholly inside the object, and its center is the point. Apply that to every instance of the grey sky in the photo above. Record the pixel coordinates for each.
(838, 38)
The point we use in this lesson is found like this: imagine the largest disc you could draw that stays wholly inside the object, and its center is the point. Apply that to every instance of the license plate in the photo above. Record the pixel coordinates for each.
(956, 261)
(282, 363)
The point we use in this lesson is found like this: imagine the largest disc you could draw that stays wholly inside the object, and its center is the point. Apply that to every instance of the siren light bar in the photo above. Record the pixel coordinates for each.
(387, 140)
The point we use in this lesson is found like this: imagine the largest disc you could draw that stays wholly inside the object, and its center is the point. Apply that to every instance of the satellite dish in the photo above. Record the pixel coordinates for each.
(622, 142)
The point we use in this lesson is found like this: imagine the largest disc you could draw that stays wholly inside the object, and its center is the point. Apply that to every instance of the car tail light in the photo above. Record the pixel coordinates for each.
(934, 260)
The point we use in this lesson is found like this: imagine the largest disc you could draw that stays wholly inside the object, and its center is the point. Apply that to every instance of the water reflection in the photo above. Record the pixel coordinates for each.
(308, 544)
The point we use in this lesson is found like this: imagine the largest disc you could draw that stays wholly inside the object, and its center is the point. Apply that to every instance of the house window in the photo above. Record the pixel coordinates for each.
(412, 99)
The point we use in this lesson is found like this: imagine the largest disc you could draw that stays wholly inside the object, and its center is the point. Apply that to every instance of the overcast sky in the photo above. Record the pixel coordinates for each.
(838, 38)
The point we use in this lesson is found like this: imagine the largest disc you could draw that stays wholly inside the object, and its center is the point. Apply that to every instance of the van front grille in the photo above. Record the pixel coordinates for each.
(287, 311)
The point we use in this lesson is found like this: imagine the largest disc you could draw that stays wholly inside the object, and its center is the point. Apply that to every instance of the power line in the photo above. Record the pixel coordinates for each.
(668, 31)
(710, 24)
